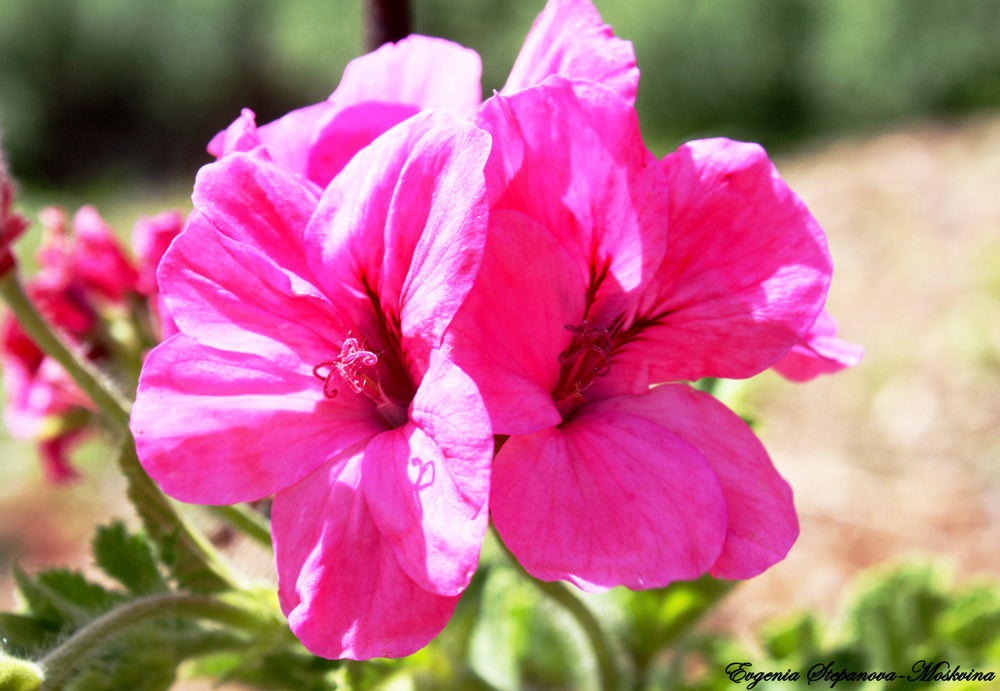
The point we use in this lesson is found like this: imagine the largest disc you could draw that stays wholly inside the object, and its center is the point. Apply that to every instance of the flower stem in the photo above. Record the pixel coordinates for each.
(174, 605)
(105, 395)
(246, 520)
(558, 591)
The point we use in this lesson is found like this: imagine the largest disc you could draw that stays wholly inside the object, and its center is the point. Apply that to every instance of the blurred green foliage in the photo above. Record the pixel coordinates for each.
(127, 87)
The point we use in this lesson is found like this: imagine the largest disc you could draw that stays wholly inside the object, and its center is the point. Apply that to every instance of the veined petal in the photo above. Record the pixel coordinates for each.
(570, 39)
(511, 329)
(232, 296)
(418, 71)
(339, 583)
(570, 156)
(218, 427)
(289, 140)
(820, 352)
(745, 276)
(762, 524)
(399, 233)
(427, 483)
(608, 499)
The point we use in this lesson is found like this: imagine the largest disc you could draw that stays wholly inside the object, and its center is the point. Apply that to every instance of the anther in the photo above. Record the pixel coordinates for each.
(348, 365)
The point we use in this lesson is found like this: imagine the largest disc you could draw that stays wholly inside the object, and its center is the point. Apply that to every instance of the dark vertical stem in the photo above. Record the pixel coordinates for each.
(386, 21)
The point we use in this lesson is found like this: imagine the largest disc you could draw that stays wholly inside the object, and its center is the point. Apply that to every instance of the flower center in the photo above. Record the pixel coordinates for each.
(357, 367)
(588, 357)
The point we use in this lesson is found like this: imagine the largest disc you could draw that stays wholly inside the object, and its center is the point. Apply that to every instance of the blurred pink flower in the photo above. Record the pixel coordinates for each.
(820, 352)
(150, 238)
(392, 83)
(607, 272)
(309, 364)
(12, 224)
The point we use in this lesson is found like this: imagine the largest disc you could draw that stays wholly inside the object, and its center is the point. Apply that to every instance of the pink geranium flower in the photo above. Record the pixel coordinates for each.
(310, 365)
(392, 83)
(606, 272)
(12, 224)
(820, 352)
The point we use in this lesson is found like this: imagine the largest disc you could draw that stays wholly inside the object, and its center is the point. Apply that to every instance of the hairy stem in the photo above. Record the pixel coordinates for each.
(560, 593)
(73, 650)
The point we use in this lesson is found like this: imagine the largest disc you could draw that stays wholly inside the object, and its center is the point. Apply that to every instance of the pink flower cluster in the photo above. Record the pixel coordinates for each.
(375, 290)
(83, 277)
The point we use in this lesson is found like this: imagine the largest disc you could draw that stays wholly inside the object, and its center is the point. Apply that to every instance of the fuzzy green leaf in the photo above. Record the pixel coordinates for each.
(128, 559)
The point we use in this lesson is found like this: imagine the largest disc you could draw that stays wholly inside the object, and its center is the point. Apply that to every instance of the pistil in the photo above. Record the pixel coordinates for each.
(588, 357)
(356, 366)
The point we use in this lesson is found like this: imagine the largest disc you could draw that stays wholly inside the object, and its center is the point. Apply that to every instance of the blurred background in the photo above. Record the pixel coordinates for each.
(884, 115)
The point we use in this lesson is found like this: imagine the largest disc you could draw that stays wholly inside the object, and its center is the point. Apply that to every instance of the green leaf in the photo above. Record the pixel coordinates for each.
(793, 637)
(128, 559)
(60, 597)
(973, 620)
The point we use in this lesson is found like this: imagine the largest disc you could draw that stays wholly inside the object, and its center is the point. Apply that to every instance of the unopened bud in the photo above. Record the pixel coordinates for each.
(19, 675)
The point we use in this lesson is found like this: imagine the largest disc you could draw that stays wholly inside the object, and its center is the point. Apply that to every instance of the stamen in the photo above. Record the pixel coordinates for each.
(591, 339)
(588, 357)
(348, 365)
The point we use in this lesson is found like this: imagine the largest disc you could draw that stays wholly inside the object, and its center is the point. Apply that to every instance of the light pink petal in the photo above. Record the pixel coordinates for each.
(511, 329)
(345, 131)
(427, 483)
(241, 135)
(762, 523)
(608, 499)
(339, 583)
(232, 296)
(570, 39)
(217, 427)
(400, 231)
(570, 156)
(417, 71)
(819, 353)
(744, 277)
(289, 139)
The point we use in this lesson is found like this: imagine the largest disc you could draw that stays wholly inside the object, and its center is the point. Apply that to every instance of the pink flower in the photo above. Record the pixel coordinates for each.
(819, 353)
(12, 224)
(392, 83)
(607, 272)
(150, 238)
(309, 364)
(99, 260)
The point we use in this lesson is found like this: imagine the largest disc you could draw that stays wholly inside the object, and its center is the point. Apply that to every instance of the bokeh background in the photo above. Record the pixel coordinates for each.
(884, 115)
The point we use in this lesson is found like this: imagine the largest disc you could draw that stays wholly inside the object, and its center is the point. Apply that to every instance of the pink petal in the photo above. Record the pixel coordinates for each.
(570, 156)
(608, 499)
(511, 329)
(763, 525)
(417, 71)
(744, 277)
(339, 583)
(217, 427)
(241, 135)
(819, 353)
(400, 231)
(427, 483)
(344, 132)
(100, 261)
(232, 296)
(289, 139)
(54, 454)
(151, 236)
(570, 39)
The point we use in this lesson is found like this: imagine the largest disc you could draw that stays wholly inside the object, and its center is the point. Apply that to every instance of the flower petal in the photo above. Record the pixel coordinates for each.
(338, 579)
(217, 427)
(427, 483)
(511, 329)
(241, 135)
(608, 499)
(289, 139)
(745, 275)
(570, 156)
(819, 353)
(570, 39)
(399, 233)
(418, 71)
(762, 524)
